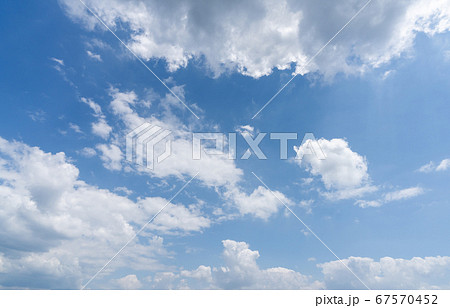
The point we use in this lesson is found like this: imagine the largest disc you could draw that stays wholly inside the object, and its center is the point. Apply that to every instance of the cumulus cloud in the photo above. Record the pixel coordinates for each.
(261, 203)
(343, 172)
(254, 37)
(241, 271)
(129, 282)
(342, 167)
(388, 273)
(101, 129)
(111, 155)
(57, 230)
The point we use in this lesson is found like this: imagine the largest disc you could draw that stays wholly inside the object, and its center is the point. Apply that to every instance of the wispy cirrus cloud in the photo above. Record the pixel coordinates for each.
(432, 166)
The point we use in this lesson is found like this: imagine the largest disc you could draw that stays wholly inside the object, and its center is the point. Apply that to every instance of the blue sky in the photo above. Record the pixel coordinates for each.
(376, 99)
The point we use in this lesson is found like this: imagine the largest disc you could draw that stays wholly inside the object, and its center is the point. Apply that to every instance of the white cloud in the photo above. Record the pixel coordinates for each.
(123, 190)
(174, 217)
(38, 116)
(58, 61)
(253, 37)
(444, 165)
(388, 273)
(93, 105)
(101, 128)
(343, 172)
(215, 170)
(431, 166)
(111, 155)
(129, 282)
(261, 203)
(369, 203)
(75, 128)
(94, 56)
(87, 152)
(202, 272)
(241, 271)
(57, 230)
(427, 168)
(387, 74)
(341, 169)
(402, 194)
(246, 129)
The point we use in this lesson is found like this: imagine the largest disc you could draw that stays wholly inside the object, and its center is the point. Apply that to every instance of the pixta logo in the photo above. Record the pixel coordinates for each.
(143, 145)
(149, 145)
(309, 145)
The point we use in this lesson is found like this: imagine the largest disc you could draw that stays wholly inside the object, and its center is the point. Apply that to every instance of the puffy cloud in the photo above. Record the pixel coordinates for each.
(57, 231)
(241, 271)
(216, 171)
(111, 155)
(180, 162)
(101, 128)
(342, 171)
(130, 282)
(174, 217)
(388, 273)
(261, 203)
(87, 152)
(254, 37)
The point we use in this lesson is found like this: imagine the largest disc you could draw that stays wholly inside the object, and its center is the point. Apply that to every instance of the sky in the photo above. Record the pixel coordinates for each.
(373, 214)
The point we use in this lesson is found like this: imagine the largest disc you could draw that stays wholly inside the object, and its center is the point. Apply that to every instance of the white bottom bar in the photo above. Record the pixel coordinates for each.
(198, 299)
